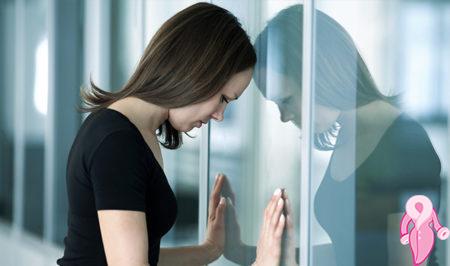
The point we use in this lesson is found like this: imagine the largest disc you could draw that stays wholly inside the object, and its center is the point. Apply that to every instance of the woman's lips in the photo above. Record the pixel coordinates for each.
(199, 123)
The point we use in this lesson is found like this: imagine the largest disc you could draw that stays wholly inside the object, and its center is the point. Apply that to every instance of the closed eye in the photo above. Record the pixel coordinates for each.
(223, 99)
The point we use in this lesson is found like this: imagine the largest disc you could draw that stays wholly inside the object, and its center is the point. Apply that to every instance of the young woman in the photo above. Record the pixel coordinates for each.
(120, 203)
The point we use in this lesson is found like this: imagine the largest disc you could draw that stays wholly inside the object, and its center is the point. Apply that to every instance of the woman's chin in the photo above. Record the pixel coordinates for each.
(188, 128)
(183, 128)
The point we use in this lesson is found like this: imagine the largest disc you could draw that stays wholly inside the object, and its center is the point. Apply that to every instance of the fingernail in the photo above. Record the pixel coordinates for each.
(217, 175)
(277, 192)
(222, 200)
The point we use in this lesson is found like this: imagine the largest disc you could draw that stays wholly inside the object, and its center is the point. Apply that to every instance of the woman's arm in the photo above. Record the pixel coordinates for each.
(212, 247)
(189, 256)
(124, 236)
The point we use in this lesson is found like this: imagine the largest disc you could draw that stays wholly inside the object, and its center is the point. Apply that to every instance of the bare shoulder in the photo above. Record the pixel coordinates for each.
(124, 236)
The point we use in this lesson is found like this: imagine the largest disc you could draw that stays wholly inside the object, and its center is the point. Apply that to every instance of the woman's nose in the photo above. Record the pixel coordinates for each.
(286, 116)
(218, 116)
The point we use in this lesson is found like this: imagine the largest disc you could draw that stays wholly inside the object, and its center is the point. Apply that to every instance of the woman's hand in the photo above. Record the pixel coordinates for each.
(268, 251)
(215, 235)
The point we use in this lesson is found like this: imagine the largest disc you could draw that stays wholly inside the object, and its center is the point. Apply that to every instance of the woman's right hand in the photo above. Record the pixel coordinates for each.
(268, 251)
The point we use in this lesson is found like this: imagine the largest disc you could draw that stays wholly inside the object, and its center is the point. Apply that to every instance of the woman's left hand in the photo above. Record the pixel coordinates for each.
(215, 235)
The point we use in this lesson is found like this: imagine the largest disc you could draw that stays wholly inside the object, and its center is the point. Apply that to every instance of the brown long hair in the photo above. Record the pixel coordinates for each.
(188, 60)
(342, 81)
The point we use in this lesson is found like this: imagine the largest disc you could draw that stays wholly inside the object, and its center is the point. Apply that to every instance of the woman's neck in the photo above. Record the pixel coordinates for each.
(367, 119)
(147, 117)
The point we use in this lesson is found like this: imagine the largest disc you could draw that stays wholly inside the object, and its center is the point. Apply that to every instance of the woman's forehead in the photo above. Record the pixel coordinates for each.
(237, 83)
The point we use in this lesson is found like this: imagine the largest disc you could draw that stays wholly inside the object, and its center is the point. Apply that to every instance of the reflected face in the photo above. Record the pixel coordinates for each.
(185, 118)
(285, 93)
(290, 109)
(288, 100)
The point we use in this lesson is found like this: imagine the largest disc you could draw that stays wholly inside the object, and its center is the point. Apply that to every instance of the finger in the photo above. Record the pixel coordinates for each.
(219, 182)
(273, 202)
(231, 211)
(268, 211)
(286, 196)
(276, 214)
(268, 207)
(218, 224)
(215, 180)
(280, 227)
(214, 198)
(220, 211)
(232, 228)
(227, 187)
(289, 223)
(288, 205)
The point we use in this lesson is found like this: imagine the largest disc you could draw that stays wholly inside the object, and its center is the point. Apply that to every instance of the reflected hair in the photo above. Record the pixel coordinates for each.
(342, 79)
(188, 60)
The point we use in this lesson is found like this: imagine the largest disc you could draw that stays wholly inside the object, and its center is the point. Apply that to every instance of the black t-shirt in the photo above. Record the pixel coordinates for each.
(110, 166)
(354, 212)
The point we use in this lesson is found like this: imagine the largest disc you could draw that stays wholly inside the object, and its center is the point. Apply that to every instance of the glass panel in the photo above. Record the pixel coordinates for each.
(35, 104)
(257, 145)
(6, 109)
(381, 132)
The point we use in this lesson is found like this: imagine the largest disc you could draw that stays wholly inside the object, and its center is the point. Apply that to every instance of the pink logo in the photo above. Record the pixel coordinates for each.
(420, 211)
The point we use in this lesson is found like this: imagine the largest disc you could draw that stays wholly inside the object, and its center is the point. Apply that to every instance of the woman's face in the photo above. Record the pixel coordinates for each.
(186, 118)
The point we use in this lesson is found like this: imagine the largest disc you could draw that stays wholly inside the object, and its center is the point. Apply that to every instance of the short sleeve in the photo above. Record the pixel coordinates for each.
(410, 161)
(119, 173)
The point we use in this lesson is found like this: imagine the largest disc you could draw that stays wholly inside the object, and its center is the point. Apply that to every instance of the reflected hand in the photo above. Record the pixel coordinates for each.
(288, 246)
(235, 249)
(215, 235)
(233, 240)
(268, 251)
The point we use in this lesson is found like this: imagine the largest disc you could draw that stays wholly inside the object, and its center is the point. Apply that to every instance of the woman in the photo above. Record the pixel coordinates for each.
(381, 156)
(120, 203)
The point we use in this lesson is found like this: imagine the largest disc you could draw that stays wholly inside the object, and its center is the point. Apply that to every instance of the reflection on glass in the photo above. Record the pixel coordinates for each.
(256, 151)
(380, 155)
(277, 78)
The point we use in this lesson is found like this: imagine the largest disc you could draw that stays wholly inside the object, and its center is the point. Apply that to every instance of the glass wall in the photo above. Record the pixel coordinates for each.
(7, 111)
(257, 145)
(380, 123)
